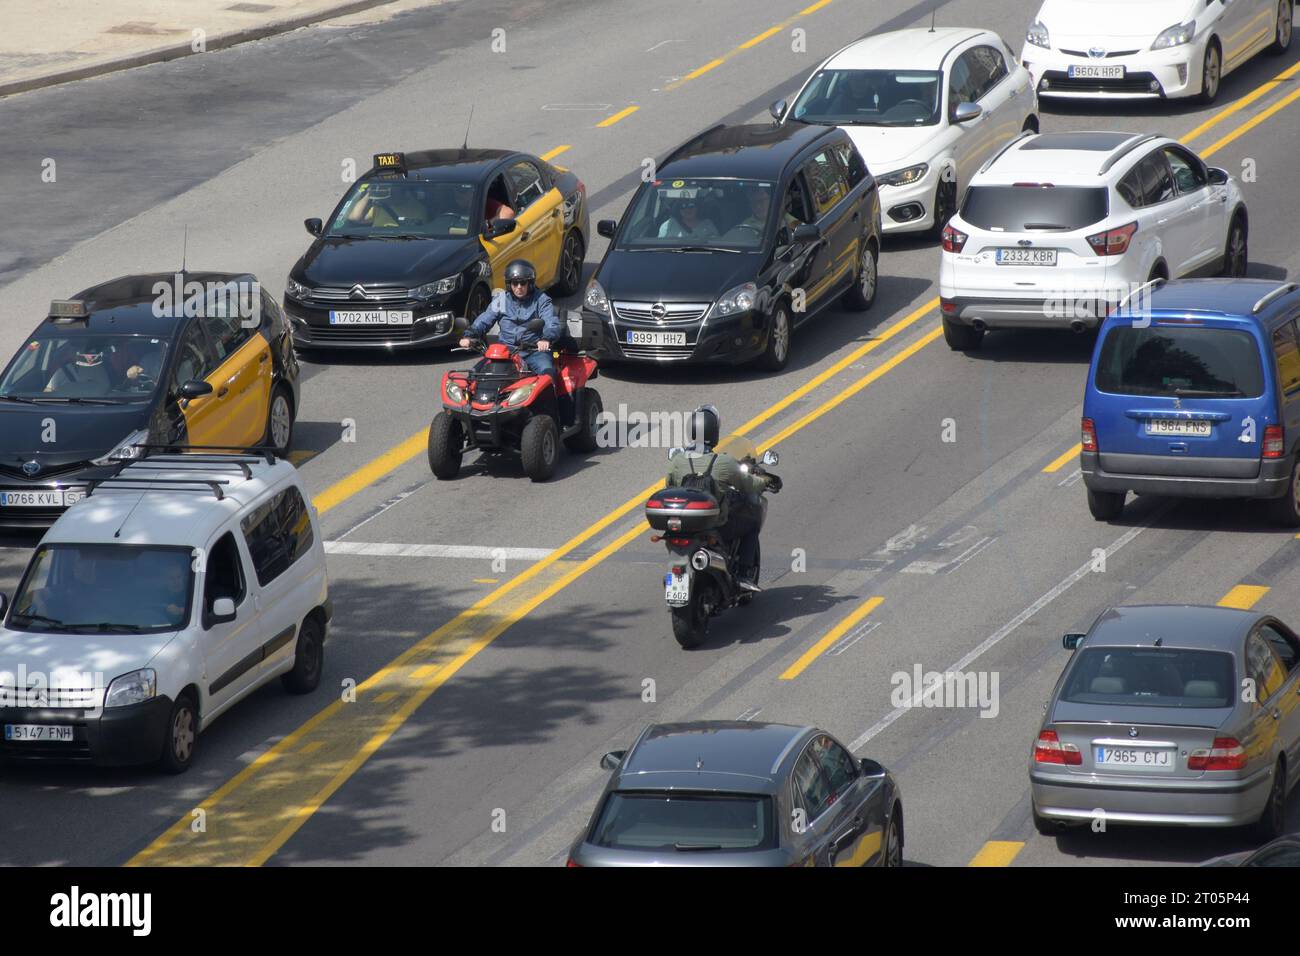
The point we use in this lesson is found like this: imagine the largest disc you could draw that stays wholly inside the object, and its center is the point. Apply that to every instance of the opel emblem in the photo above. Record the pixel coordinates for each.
(658, 311)
(357, 292)
(31, 468)
(1096, 52)
(1132, 731)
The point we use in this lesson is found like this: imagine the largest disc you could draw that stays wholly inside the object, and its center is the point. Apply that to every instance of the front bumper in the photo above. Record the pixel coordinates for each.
(908, 208)
(114, 736)
(722, 340)
(1271, 482)
(434, 324)
(1175, 72)
(1078, 798)
(43, 516)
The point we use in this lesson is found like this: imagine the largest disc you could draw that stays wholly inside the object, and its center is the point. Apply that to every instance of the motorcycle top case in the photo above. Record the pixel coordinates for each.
(683, 510)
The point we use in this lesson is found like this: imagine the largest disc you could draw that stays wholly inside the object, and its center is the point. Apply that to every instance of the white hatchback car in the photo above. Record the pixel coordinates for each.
(925, 108)
(1138, 49)
(156, 602)
(1059, 228)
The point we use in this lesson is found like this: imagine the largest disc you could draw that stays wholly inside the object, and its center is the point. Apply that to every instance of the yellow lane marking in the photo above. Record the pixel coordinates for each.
(1059, 463)
(755, 41)
(1254, 121)
(747, 45)
(1245, 101)
(486, 580)
(311, 748)
(997, 853)
(372, 471)
(385, 697)
(301, 455)
(621, 114)
(1243, 596)
(548, 156)
(702, 70)
(833, 635)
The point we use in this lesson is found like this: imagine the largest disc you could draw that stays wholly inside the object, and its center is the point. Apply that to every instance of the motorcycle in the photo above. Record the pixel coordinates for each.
(702, 579)
(499, 406)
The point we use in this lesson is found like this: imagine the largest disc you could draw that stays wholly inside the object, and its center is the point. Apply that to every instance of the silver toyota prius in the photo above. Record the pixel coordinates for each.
(1172, 715)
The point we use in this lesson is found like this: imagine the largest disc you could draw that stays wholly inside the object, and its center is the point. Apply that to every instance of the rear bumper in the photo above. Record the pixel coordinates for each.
(115, 736)
(1008, 313)
(1083, 798)
(1271, 482)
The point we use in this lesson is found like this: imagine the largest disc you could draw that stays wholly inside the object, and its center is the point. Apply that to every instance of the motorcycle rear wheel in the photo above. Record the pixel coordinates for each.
(691, 623)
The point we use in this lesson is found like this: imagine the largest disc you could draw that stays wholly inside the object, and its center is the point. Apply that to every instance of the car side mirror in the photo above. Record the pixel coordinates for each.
(612, 760)
(771, 458)
(607, 228)
(1217, 176)
(871, 768)
(4, 605)
(195, 388)
(223, 610)
(495, 228)
(808, 232)
(1072, 641)
(778, 109)
(966, 112)
(314, 226)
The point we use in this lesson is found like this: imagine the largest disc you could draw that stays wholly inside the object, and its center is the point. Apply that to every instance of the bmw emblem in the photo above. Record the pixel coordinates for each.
(658, 311)
(1132, 731)
(1096, 52)
(31, 468)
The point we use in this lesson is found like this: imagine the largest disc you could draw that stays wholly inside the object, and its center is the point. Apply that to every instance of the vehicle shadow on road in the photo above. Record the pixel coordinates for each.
(762, 620)
(1226, 515)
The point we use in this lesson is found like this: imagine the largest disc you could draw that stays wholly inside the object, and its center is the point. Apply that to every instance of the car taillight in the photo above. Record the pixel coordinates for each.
(1113, 242)
(1226, 753)
(1089, 435)
(1049, 749)
(572, 862)
(1274, 442)
(953, 239)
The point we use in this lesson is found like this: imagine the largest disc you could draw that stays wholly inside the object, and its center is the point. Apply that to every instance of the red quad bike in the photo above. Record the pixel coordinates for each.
(500, 407)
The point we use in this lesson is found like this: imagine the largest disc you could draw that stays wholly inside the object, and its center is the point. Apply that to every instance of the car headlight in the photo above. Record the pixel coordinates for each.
(739, 299)
(520, 395)
(133, 688)
(904, 177)
(441, 287)
(571, 206)
(297, 290)
(595, 299)
(125, 450)
(1037, 35)
(1176, 35)
(455, 393)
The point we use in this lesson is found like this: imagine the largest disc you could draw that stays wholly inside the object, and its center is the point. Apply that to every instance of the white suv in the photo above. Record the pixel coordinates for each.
(155, 603)
(1059, 228)
(925, 108)
(1136, 49)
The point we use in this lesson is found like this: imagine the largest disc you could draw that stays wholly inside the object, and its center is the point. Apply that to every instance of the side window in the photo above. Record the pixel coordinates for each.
(192, 358)
(226, 333)
(962, 83)
(826, 180)
(1282, 646)
(1157, 181)
(278, 533)
(851, 160)
(223, 574)
(1130, 187)
(837, 763)
(1263, 667)
(1188, 172)
(798, 208)
(1288, 356)
(811, 789)
(991, 69)
(528, 184)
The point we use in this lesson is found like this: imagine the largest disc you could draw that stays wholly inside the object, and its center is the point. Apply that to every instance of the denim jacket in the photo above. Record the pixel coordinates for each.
(511, 315)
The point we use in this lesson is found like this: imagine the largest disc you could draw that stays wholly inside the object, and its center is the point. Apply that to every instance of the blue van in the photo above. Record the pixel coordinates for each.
(1194, 392)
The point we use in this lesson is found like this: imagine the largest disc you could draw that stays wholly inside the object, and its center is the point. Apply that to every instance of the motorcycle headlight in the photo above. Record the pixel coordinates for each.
(1038, 36)
(520, 395)
(133, 688)
(595, 299)
(904, 177)
(297, 290)
(455, 393)
(125, 450)
(1176, 35)
(441, 287)
(739, 299)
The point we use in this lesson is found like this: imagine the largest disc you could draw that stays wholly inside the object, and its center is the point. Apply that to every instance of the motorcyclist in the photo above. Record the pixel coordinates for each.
(742, 513)
(511, 313)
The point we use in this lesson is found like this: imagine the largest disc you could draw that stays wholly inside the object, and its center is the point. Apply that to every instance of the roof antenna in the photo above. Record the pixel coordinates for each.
(932, 14)
(465, 146)
(185, 247)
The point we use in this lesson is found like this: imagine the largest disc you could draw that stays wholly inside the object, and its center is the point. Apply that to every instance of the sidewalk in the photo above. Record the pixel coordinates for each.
(44, 42)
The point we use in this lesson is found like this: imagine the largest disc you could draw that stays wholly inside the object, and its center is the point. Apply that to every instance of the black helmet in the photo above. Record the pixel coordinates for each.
(521, 270)
(704, 426)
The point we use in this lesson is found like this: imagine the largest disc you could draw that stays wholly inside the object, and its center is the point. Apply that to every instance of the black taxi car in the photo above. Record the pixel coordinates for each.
(423, 239)
(193, 358)
(746, 232)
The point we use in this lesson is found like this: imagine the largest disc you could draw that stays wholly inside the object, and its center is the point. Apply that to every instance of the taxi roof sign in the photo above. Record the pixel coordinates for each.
(390, 160)
(68, 309)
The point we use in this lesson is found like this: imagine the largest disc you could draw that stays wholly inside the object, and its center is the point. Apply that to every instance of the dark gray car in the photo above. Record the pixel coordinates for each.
(1174, 715)
(739, 793)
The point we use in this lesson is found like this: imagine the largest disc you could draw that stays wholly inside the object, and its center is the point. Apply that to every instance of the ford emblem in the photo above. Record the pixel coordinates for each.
(31, 468)
(1025, 242)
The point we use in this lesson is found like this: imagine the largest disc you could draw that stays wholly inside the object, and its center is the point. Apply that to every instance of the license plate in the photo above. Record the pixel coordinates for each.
(677, 588)
(1133, 758)
(1096, 72)
(1173, 426)
(1026, 257)
(656, 338)
(372, 317)
(38, 499)
(39, 732)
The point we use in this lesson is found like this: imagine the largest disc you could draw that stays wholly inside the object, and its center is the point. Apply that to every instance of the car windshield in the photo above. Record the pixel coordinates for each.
(92, 367)
(699, 214)
(665, 821)
(1151, 677)
(405, 209)
(870, 98)
(104, 588)
(1183, 362)
(1036, 206)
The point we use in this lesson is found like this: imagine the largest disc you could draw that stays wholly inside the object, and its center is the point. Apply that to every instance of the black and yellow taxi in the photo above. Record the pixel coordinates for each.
(422, 240)
(191, 358)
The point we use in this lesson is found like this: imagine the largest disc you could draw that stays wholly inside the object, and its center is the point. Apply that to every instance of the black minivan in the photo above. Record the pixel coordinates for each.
(745, 232)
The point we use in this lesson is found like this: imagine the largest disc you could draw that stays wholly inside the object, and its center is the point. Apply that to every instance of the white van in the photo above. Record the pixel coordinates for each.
(152, 605)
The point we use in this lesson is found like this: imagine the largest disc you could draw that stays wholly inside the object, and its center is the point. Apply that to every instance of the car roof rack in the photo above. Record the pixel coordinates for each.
(1126, 147)
(1157, 282)
(214, 485)
(219, 452)
(1282, 290)
(998, 155)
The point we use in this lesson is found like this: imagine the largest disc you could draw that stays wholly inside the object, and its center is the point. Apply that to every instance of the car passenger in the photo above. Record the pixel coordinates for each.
(686, 223)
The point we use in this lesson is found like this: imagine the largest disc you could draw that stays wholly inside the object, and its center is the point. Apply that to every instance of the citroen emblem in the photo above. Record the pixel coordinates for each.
(31, 468)
(1096, 52)
(357, 292)
(658, 312)
(1132, 731)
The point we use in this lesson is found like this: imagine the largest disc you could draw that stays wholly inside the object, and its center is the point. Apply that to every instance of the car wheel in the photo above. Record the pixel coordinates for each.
(308, 658)
(1272, 822)
(181, 736)
(1211, 73)
(585, 440)
(279, 420)
(446, 445)
(1282, 32)
(1286, 509)
(778, 340)
(863, 291)
(945, 207)
(961, 338)
(1105, 505)
(1235, 250)
(569, 275)
(539, 447)
(893, 849)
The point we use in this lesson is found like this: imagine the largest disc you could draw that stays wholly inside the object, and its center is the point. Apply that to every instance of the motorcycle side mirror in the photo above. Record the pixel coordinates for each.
(535, 325)
(771, 458)
(612, 760)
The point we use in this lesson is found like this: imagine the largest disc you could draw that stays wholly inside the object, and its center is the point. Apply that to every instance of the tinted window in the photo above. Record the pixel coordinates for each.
(389, 208)
(852, 161)
(1130, 188)
(278, 533)
(669, 213)
(963, 83)
(1282, 646)
(837, 764)
(1188, 172)
(226, 334)
(193, 360)
(870, 98)
(223, 573)
(1263, 667)
(118, 368)
(1151, 677)
(1017, 208)
(826, 180)
(1157, 182)
(812, 792)
(657, 821)
(1161, 360)
(527, 183)
(1288, 356)
(988, 69)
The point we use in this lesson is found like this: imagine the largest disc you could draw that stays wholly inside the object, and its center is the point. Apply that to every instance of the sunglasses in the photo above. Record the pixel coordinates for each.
(523, 282)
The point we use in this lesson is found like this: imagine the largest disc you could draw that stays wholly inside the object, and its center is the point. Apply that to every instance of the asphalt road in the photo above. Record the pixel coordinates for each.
(975, 549)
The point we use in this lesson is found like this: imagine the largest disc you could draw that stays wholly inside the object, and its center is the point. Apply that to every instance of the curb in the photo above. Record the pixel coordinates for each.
(161, 54)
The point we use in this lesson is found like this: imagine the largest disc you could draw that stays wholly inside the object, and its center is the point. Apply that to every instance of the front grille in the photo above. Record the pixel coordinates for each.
(658, 353)
(1058, 81)
(360, 335)
(1088, 56)
(58, 698)
(44, 476)
(677, 313)
(326, 294)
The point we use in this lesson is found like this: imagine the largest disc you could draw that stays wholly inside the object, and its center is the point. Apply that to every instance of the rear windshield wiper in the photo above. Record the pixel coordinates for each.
(1209, 393)
(1045, 225)
(696, 846)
